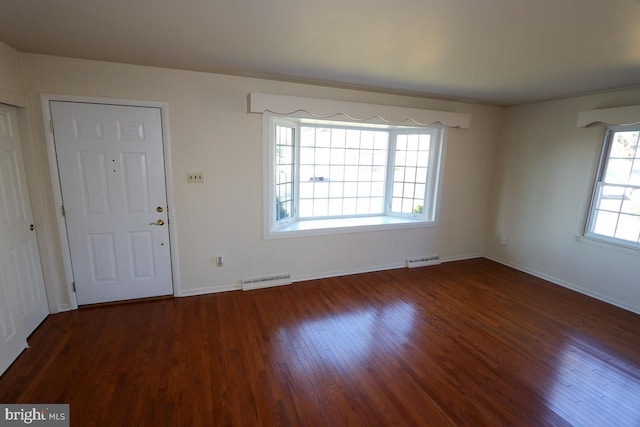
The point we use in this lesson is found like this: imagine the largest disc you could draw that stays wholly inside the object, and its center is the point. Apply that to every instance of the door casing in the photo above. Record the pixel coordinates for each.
(57, 190)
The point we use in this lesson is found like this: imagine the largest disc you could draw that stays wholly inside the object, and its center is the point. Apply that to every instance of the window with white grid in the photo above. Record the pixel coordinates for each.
(342, 171)
(285, 169)
(411, 167)
(615, 207)
(332, 174)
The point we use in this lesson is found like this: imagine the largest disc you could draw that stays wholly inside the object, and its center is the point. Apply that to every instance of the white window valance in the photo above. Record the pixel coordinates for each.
(325, 108)
(618, 116)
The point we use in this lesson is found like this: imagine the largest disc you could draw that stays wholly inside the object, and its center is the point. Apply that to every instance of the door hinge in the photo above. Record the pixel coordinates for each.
(51, 126)
(63, 211)
(73, 285)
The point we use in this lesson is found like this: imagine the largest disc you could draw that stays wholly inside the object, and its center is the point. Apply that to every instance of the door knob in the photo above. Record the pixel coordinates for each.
(158, 222)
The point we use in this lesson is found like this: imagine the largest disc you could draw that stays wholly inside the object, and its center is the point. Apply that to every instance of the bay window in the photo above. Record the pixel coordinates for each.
(328, 176)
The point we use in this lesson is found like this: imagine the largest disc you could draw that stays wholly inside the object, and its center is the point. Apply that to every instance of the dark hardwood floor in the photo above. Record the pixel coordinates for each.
(464, 343)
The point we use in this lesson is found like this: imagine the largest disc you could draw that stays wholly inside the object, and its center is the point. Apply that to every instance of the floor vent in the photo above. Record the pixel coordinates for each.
(423, 262)
(266, 282)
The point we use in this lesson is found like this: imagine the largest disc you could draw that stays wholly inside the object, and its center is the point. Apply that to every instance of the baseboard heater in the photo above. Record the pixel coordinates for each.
(423, 261)
(266, 282)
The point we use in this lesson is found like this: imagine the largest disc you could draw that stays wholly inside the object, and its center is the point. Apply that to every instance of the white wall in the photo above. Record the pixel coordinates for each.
(11, 84)
(211, 132)
(542, 187)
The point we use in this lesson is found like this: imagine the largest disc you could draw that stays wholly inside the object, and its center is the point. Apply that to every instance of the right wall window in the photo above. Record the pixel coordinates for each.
(614, 214)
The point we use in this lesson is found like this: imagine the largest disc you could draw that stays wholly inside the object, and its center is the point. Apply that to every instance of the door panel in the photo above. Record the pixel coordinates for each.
(23, 303)
(111, 167)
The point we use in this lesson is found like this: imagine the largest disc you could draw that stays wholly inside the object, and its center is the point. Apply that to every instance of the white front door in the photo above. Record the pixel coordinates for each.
(23, 303)
(112, 176)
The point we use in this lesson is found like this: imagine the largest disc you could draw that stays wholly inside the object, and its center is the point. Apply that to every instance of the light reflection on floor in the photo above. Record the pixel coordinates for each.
(589, 392)
(345, 341)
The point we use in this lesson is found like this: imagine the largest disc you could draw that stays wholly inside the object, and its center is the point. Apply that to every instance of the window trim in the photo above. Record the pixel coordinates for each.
(307, 227)
(599, 182)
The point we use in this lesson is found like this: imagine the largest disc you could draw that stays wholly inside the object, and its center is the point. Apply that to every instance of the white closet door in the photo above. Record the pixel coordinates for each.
(23, 303)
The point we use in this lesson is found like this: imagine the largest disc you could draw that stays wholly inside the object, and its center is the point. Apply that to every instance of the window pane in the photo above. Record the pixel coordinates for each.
(306, 172)
(377, 204)
(364, 189)
(363, 206)
(364, 173)
(320, 207)
(338, 138)
(425, 143)
(321, 173)
(338, 156)
(631, 201)
(410, 175)
(307, 137)
(624, 144)
(306, 207)
(323, 156)
(323, 138)
(306, 190)
(336, 189)
(349, 207)
(335, 207)
(398, 173)
(378, 174)
(350, 189)
(320, 189)
(377, 189)
(628, 228)
(610, 198)
(381, 141)
(421, 175)
(401, 143)
(605, 223)
(366, 140)
(353, 139)
(396, 204)
(409, 190)
(618, 171)
(635, 172)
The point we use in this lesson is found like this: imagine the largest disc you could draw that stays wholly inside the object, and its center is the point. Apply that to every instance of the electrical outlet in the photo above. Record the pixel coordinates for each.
(503, 240)
(195, 177)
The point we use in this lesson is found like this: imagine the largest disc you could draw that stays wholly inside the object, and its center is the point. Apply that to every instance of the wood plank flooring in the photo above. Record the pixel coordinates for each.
(464, 343)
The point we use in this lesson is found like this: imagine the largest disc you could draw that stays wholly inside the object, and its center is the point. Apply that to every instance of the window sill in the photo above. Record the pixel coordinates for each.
(321, 227)
(608, 244)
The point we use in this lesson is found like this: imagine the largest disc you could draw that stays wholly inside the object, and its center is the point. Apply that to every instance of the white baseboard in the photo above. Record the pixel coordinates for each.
(463, 257)
(346, 272)
(325, 275)
(565, 284)
(210, 290)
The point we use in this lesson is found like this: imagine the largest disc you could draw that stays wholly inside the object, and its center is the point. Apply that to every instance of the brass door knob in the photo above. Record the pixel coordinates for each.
(158, 222)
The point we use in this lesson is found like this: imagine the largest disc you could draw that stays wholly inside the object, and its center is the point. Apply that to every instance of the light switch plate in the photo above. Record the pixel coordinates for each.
(195, 177)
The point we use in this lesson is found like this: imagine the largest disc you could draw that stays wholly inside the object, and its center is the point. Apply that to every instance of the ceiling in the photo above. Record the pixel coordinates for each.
(494, 51)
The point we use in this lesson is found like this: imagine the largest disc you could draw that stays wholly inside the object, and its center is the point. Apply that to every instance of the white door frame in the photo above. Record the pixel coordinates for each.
(57, 189)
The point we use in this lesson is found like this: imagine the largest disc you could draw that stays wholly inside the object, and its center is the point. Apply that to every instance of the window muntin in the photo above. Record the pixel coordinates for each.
(346, 175)
(615, 208)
